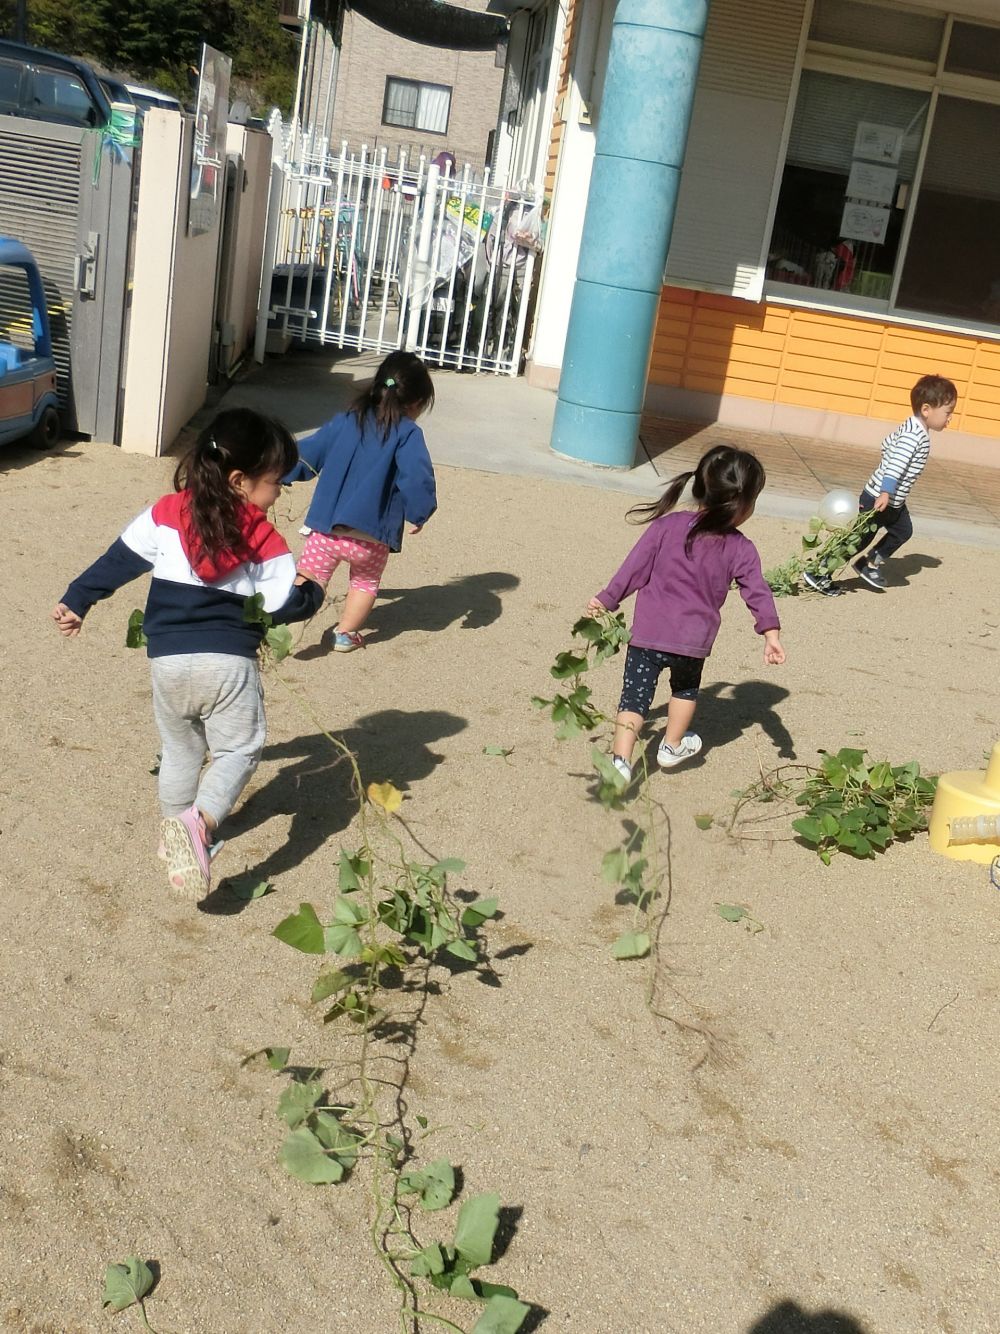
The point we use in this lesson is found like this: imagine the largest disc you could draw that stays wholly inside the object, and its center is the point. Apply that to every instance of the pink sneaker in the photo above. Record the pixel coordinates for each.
(185, 842)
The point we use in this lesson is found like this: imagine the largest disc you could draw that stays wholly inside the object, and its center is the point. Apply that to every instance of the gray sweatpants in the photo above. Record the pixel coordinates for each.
(207, 702)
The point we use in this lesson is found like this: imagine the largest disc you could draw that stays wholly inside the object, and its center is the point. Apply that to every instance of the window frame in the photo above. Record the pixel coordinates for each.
(901, 72)
(418, 84)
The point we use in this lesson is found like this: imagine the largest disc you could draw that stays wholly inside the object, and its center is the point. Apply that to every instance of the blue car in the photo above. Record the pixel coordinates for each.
(29, 406)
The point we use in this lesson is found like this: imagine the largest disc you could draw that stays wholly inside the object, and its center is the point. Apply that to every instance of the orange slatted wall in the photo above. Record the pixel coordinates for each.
(818, 359)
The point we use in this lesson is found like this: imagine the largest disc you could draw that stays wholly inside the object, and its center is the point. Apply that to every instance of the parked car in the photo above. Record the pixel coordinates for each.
(43, 85)
(147, 98)
(116, 90)
(28, 402)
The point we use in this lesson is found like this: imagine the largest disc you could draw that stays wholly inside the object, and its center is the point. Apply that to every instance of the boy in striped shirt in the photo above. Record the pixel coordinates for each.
(904, 454)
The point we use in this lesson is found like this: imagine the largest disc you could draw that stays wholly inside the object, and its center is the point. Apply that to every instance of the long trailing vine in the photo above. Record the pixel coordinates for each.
(821, 556)
(393, 920)
(633, 866)
(847, 803)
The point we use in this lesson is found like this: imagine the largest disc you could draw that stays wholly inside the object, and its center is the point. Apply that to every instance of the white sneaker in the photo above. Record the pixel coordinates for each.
(623, 766)
(668, 756)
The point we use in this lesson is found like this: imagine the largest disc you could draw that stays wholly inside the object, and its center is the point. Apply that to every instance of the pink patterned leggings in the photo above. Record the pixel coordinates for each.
(322, 554)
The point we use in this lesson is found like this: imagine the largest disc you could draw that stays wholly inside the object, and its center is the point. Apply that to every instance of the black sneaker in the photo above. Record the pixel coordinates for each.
(871, 574)
(821, 583)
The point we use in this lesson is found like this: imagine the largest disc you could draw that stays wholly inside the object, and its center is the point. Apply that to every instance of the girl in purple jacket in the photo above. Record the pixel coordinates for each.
(681, 570)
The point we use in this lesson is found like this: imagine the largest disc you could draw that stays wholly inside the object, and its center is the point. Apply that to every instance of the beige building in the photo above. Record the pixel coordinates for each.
(402, 95)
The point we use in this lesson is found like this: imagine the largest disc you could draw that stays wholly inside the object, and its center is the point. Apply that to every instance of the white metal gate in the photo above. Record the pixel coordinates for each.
(376, 257)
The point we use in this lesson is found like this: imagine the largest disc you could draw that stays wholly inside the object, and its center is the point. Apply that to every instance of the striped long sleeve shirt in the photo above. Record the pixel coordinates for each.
(904, 454)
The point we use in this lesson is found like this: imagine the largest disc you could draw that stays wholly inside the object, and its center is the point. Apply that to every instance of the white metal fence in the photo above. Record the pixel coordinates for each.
(375, 256)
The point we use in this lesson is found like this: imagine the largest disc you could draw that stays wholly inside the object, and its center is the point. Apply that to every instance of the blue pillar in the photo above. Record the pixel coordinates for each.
(641, 135)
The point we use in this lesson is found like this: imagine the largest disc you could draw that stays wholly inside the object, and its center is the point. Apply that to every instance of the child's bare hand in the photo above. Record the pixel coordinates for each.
(416, 528)
(596, 607)
(67, 621)
(774, 654)
(882, 504)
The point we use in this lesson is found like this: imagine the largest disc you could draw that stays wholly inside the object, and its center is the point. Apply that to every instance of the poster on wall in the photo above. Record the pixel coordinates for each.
(878, 143)
(208, 156)
(862, 222)
(873, 183)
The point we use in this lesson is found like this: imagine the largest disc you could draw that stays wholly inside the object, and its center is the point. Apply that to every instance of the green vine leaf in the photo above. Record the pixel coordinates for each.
(302, 930)
(134, 635)
(278, 639)
(352, 871)
(476, 1229)
(247, 888)
(276, 1057)
(302, 1155)
(479, 912)
(631, 945)
(501, 1315)
(297, 1101)
(434, 1183)
(127, 1284)
(498, 750)
(428, 1261)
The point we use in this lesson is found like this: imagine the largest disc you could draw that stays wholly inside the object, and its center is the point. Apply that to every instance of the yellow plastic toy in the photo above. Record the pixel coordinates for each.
(965, 817)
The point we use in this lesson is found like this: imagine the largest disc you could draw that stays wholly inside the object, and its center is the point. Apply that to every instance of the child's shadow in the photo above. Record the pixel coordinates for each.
(472, 599)
(746, 703)
(900, 570)
(315, 787)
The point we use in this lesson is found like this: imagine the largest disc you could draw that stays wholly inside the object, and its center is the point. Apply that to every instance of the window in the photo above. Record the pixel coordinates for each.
(56, 95)
(10, 86)
(890, 194)
(952, 264)
(851, 160)
(416, 106)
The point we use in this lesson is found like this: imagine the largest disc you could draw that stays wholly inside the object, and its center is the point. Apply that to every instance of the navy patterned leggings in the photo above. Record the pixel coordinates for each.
(642, 671)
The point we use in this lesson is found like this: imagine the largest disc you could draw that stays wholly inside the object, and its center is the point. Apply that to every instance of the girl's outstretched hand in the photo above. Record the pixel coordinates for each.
(416, 528)
(67, 621)
(596, 607)
(774, 654)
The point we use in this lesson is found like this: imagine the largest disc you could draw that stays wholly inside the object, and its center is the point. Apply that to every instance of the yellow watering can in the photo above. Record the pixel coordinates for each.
(965, 818)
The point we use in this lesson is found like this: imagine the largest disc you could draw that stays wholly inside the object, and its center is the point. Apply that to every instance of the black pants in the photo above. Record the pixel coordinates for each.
(897, 524)
(642, 671)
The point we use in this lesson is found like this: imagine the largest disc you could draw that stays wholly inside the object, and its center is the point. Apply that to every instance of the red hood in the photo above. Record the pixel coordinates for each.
(261, 540)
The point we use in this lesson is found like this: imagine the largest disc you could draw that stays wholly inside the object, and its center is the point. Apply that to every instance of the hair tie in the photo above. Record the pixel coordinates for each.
(211, 447)
(389, 382)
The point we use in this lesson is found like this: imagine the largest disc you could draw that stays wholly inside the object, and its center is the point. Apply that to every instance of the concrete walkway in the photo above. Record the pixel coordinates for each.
(498, 424)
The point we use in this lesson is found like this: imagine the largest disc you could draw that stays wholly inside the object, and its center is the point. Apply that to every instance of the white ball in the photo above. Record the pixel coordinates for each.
(838, 509)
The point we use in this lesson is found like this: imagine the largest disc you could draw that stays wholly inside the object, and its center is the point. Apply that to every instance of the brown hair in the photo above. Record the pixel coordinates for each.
(402, 387)
(934, 390)
(238, 440)
(726, 484)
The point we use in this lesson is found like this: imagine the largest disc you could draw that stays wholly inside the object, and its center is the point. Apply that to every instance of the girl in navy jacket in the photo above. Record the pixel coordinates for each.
(375, 474)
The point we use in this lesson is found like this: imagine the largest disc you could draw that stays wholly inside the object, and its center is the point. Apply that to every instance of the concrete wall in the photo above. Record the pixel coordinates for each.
(369, 55)
(173, 294)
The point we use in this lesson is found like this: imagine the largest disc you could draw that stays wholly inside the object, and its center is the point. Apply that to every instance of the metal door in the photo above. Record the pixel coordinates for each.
(66, 194)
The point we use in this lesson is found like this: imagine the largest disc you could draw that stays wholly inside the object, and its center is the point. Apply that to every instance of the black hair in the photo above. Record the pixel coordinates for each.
(726, 484)
(402, 387)
(238, 440)
(934, 390)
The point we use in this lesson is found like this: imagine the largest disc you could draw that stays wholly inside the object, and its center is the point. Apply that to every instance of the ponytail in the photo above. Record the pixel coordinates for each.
(725, 484)
(655, 509)
(236, 441)
(402, 387)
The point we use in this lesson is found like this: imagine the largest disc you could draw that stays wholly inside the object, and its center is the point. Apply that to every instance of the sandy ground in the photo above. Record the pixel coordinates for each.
(833, 1150)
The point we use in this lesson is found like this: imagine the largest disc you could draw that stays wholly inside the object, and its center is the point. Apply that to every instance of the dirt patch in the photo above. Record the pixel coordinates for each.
(805, 1132)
